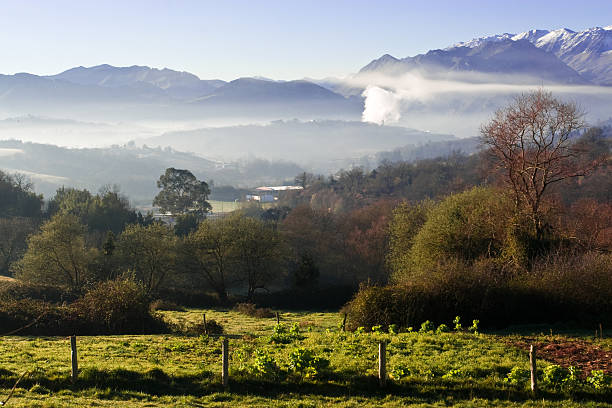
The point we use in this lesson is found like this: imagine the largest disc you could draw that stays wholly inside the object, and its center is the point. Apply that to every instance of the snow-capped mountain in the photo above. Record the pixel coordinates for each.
(497, 55)
(587, 54)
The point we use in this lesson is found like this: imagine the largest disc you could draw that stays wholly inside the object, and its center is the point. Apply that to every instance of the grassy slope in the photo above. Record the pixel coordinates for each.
(170, 370)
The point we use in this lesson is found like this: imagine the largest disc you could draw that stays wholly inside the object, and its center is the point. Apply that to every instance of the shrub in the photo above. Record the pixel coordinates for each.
(16, 290)
(36, 317)
(250, 309)
(113, 307)
(563, 288)
(306, 363)
(117, 307)
(465, 226)
(214, 327)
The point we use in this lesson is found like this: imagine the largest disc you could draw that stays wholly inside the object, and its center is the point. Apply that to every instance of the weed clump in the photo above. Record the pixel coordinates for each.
(284, 335)
(251, 309)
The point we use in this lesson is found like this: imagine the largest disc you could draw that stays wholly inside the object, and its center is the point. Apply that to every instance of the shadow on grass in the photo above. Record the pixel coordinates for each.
(121, 382)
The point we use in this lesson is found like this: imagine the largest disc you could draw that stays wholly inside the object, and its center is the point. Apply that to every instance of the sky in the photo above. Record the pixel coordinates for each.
(280, 39)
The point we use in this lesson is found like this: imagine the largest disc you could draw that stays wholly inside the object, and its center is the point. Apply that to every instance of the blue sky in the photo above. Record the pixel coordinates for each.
(280, 39)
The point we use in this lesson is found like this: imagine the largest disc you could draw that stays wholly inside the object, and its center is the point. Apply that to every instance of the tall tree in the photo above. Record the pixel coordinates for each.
(182, 193)
(258, 252)
(14, 232)
(208, 251)
(17, 197)
(530, 141)
(57, 255)
(150, 253)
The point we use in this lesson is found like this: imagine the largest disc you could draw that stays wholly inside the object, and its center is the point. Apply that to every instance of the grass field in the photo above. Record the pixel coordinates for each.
(224, 206)
(449, 369)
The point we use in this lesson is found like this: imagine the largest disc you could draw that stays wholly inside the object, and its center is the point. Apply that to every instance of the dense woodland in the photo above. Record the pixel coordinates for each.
(406, 241)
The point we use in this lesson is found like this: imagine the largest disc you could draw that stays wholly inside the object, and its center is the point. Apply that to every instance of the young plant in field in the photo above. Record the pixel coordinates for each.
(377, 329)
(427, 327)
(264, 366)
(555, 376)
(360, 330)
(518, 376)
(400, 371)
(457, 323)
(599, 380)
(282, 335)
(474, 327)
(393, 329)
(455, 373)
(306, 363)
(573, 381)
(442, 329)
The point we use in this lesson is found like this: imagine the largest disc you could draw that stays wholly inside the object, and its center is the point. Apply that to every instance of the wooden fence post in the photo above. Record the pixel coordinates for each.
(204, 319)
(74, 358)
(532, 366)
(225, 367)
(344, 323)
(600, 331)
(382, 363)
(277, 318)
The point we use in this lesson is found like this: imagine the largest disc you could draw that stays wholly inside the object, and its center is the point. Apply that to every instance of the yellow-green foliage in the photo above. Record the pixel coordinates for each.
(407, 221)
(57, 255)
(465, 226)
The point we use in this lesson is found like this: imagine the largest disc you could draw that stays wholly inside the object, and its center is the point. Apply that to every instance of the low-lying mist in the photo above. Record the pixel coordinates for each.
(458, 103)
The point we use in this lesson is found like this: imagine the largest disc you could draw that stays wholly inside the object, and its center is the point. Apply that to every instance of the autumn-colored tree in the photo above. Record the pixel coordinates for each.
(366, 233)
(531, 142)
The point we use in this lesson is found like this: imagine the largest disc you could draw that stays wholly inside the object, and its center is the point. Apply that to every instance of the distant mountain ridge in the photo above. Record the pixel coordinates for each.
(108, 93)
(583, 56)
(178, 84)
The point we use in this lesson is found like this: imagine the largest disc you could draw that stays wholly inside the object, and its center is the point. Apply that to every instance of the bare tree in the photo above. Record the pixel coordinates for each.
(531, 142)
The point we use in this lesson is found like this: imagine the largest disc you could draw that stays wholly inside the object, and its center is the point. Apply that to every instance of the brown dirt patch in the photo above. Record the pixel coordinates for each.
(585, 355)
(6, 279)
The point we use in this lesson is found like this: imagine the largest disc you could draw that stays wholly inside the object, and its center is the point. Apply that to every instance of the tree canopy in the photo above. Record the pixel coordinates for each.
(182, 193)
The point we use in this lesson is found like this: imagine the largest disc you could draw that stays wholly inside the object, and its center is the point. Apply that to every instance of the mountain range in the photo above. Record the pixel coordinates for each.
(558, 56)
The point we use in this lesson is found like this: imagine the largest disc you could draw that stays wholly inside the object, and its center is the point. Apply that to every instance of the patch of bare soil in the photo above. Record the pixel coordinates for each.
(6, 279)
(583, 354)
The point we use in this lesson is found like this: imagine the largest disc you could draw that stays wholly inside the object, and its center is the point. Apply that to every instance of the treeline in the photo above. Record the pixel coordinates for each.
(424, 240)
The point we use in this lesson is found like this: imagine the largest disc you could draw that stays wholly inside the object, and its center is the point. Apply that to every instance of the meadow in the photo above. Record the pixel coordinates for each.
(308, 361)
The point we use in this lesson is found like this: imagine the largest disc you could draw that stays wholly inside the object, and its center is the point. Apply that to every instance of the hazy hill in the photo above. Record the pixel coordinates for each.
(324, 146)
(134, 169)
